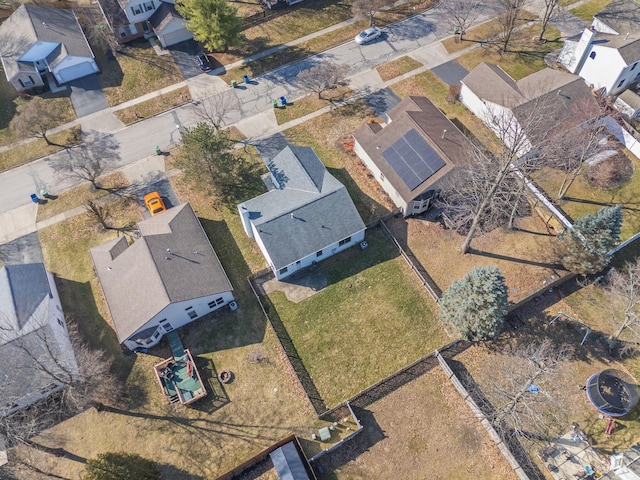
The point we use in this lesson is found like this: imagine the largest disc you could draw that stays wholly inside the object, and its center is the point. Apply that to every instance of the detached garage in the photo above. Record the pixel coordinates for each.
(169, 26)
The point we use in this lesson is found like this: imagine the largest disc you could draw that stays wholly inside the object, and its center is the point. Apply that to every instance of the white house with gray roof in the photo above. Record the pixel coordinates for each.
(167, 278)
(306, 217)
(41, 45)
(606, 55)
(35, 352)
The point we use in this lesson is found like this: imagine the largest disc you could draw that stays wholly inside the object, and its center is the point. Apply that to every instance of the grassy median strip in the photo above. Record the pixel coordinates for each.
(37, 148)
(397, 67)
(152, 107)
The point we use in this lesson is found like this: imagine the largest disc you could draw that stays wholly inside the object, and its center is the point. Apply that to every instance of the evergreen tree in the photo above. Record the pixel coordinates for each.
(213, 22)
(590, 240)
(120, 466)
(476, 305)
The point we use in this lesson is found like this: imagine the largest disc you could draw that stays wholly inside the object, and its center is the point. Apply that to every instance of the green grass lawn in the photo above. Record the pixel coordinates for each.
(371, 320)
(524, 56)
(583, 198)
(154, 106)
(589, 9)
(135, 71)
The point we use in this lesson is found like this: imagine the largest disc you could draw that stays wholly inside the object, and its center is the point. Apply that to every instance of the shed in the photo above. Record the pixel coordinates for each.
(290, 463)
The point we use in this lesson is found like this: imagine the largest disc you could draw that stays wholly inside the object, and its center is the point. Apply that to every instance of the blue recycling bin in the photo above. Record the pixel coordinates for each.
(245, 78)
(283, 101)
(34, 198)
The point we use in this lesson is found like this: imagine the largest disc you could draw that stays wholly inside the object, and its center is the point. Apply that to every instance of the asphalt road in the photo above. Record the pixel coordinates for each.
(138, 141)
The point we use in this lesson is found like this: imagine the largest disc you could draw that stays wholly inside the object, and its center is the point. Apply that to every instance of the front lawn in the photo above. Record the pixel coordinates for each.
(135, 71)
(152, 107)
(524, 57)
(587, 10)
(397, 67)
(310, 104)
(371, 320)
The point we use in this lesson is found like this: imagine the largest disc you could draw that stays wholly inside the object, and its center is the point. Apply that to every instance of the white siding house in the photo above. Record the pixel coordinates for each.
(306, 218)
(41, 45)
(32, 330)
(606, 55)
(169, 277)
(508, 107)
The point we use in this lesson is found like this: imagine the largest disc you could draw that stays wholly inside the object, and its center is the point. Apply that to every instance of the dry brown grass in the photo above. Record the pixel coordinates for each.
(37, 148)
(427, 425)
(75, 197)
(154, 106)
(527, 258)
(397, 67)
(310, 104)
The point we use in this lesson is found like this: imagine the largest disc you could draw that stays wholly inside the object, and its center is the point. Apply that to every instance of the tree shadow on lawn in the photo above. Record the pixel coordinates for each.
(509, 437)
(79, 305)
(371, 434)
(553, 266)
(175, 473)
(626, 205)
(111, 73)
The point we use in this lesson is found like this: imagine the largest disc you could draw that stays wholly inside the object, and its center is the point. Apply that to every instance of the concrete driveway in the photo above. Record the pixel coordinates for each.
(87, 96)
(183, 54)
(25, 249)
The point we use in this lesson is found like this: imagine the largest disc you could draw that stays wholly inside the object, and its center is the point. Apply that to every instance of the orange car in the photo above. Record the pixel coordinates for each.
(154, 203)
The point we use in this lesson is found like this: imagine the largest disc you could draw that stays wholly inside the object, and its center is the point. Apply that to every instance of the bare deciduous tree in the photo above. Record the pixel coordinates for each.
(550, 9)
(462, 14)
(35, 116)
(89, 160)
(569, 148)
(218, 109)
(524, 385)
(98, 29)
(369, 8)
(624, 286)
(510, 11)
(323, 76)
(488, 191)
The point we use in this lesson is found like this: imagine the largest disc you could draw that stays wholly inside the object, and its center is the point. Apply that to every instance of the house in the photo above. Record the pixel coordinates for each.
(44, 46)
(131, 19)
(508, 107)
(35, 351)
(625, 465)
(167, 278)
(169, 26)
(306, 217)
(412, 154)
(607, 53)
(628, 102)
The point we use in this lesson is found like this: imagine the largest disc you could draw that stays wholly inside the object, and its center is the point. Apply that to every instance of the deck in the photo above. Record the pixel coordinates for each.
(178, 376)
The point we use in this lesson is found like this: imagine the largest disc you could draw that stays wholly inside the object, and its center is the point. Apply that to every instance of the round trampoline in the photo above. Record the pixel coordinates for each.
(612, 392)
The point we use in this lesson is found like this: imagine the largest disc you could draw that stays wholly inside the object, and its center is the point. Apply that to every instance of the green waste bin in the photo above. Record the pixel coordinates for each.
(234, 84)
(158, 151)
(274, 103)
(456, 30)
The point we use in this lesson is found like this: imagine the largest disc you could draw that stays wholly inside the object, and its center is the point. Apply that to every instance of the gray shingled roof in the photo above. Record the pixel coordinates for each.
(53, 33)
(430, 123)
(631, 98)
(162, 16)
(141, 280)
(310, 210)
(26, 336)
(562, 91)
(623, 16)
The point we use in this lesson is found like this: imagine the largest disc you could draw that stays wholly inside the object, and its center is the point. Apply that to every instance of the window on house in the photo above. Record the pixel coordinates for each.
(60, 322)
(592, 55)
(634, 66)
(191, 312)
(319, 253)
(620, 84)
(123, 34)
(344, 241)
(157, 334)
(217, 301)
(166, 325)
(137, 10)
(284, 270)
(148, 6)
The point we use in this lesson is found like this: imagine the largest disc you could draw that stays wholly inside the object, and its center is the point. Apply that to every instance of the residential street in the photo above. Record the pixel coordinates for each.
(417, 37)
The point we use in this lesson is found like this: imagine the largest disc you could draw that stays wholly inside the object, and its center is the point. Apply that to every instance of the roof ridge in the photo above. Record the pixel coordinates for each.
(318, 198)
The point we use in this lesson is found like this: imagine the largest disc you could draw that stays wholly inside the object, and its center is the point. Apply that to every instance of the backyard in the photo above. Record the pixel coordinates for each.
(347, 347)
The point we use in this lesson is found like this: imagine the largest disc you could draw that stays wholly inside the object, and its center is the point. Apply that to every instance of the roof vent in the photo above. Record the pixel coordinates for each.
(44, 24)
(626, 36)
(444, 133)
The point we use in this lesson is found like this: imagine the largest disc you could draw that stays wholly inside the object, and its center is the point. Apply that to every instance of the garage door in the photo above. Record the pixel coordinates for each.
(176, 37)
(76, 71)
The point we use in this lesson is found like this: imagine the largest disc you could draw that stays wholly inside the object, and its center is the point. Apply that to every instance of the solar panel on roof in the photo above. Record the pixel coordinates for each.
(413, 159)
